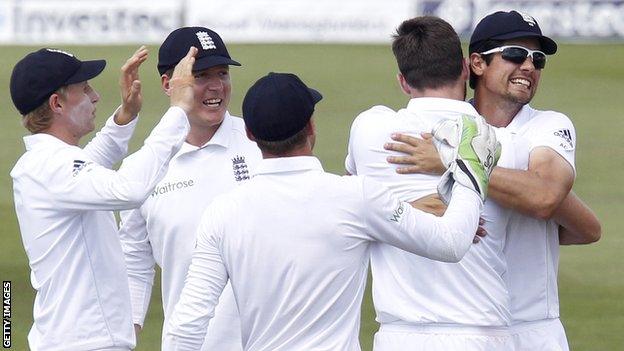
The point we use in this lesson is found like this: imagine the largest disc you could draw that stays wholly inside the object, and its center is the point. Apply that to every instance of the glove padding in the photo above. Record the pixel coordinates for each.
(470, 151)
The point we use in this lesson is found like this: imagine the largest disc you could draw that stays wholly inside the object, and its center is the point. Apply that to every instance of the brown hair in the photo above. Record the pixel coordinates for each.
(282, 147)
(428, 52)
(40, 119)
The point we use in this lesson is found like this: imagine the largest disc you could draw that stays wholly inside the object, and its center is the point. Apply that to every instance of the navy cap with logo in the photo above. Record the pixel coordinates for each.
(38, 75)
(503, 25)
(278, 106)
(211, 50)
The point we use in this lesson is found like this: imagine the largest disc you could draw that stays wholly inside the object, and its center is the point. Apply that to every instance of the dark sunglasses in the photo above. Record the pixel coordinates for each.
(517, 54)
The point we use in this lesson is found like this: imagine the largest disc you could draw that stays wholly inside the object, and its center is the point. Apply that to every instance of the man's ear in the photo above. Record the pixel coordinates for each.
(56, 103)
(403, 84)
(477, 64)
(164, 82)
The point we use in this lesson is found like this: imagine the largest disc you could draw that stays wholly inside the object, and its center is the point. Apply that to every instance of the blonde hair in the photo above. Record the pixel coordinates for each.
(40, 119)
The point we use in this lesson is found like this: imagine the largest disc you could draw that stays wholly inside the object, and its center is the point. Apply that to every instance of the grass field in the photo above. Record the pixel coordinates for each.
(584, 81)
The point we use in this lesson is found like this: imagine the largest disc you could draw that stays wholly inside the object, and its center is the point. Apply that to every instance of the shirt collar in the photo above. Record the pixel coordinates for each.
(288, 164)
(440, 104)
(39, 140)
(221, 137)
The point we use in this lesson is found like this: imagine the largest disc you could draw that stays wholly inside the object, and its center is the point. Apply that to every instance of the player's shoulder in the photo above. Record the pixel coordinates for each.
(51, 155)
(373, 114)
(221, 207)
(373, 122)
(541, 117)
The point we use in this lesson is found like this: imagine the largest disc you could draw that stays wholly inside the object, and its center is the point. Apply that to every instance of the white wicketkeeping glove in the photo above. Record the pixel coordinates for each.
(470, 151)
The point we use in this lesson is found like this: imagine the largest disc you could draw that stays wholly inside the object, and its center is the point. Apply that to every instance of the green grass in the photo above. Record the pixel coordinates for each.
(584, 81)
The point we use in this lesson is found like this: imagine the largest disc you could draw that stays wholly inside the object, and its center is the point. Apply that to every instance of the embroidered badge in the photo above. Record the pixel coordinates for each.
(240, 168)
(528, 19)
(205, 40)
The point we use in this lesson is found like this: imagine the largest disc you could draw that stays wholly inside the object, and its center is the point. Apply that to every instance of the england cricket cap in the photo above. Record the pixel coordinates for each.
(503, 25)
(211, 50)
(41, 73)
(278, 106)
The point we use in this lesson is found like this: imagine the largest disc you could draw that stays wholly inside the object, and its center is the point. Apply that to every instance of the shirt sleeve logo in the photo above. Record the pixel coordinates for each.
(567, 139)
(240, 168)
(79, 165)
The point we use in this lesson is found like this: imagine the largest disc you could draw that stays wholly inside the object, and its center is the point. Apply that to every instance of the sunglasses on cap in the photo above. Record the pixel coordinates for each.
(517, 54)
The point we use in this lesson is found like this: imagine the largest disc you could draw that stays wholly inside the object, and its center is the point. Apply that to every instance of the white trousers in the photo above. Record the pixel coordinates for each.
(544, 335)
(392, 337)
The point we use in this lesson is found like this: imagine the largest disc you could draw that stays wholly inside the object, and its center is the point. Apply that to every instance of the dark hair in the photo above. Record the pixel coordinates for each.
(282, 147)
(482, 47)
(428, 52)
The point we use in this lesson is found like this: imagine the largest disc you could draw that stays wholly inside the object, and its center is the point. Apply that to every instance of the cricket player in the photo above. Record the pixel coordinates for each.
(422, 304)
(216, 157)
(294, 240)
(508, 54)
(64, 194)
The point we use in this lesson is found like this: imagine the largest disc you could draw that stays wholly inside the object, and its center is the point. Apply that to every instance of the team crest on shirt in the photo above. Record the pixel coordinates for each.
(79, 165)
(240, 168)
(565, 134)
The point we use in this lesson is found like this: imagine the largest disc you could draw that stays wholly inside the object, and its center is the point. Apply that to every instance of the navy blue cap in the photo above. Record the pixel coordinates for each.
(278, 106)
(503, 25)
(41, 73)
(211, 50)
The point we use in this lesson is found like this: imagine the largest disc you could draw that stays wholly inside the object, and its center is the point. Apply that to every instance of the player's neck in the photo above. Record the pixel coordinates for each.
(497, 112)
(455, 91)
(305, 150)
(200, 136)
(62, 133)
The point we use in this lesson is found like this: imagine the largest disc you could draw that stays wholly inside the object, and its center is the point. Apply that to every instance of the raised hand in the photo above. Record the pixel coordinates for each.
(181, 83)
(130, 87)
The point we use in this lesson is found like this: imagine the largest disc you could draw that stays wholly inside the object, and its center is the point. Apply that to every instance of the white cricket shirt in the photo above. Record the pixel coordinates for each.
(163, 230)
(64, 196)
(532, 248)
(294, 243)
(409, 289)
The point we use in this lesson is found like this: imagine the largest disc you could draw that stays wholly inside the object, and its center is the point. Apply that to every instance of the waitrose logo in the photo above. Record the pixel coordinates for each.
(164, 188)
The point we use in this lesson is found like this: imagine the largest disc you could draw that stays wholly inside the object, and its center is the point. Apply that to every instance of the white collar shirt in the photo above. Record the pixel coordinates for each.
(163, 230)
(409, 289)
(63, 198)
(532, 248)
(294, 243)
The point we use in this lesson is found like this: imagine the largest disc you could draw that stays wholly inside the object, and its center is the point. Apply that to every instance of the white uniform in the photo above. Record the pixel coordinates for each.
(420, 302)
(532, 249)
(63, 198)
(163, 230)
(294, 243)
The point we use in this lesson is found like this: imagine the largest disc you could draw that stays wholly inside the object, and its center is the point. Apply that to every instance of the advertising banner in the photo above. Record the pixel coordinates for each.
(573, 19)
(353, 21)
(93, 21)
